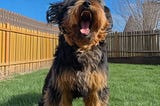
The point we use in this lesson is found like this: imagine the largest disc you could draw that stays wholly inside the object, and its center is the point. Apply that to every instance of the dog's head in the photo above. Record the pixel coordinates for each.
(84, 23)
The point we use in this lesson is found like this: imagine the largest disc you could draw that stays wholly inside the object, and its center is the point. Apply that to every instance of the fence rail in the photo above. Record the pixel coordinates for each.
(134, 44)
(25, 44)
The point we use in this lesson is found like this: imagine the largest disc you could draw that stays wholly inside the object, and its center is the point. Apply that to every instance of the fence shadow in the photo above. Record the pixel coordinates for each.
(29, 99)
(154, 60)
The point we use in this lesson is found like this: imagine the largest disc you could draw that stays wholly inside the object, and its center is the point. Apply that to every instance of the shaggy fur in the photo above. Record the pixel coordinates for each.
(80, 65)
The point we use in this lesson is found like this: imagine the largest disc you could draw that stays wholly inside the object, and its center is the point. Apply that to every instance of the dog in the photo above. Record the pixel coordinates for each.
(80, 65)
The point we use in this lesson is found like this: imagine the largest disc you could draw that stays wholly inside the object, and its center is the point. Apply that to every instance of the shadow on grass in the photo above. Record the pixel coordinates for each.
(30, 99)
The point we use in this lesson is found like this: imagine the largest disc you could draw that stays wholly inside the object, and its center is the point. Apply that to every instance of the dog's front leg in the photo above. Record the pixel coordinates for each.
(92, 99)
(66, 99)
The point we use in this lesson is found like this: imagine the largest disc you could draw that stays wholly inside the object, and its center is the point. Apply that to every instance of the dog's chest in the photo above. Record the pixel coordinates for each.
(82, 71)
(82, 81)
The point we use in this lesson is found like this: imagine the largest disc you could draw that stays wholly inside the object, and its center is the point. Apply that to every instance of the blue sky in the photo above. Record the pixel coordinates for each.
(36, 9)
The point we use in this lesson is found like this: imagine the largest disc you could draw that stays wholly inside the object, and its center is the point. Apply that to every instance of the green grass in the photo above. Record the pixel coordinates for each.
(130, 85)
(134, 85)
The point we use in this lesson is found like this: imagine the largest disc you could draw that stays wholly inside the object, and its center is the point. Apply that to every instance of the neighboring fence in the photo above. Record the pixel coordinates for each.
(25, 44)
(134, 44)
(25, 22)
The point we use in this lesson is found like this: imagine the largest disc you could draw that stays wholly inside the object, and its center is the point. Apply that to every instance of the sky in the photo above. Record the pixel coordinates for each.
(36, 9)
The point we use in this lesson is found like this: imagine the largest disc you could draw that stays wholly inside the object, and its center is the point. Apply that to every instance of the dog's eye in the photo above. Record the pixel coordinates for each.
(69, 3)
(72, 3)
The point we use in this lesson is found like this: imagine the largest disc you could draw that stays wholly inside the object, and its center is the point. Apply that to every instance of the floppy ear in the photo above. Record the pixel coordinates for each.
(109, 17)
(53, 13)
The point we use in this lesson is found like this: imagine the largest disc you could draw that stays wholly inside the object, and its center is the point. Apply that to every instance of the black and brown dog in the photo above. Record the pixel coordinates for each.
(80, 65)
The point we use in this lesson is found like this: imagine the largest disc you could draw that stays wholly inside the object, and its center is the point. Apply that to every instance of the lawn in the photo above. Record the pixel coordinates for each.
(130, 85)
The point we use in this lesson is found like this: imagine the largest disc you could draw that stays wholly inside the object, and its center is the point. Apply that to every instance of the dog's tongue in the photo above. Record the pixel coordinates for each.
(85, 27)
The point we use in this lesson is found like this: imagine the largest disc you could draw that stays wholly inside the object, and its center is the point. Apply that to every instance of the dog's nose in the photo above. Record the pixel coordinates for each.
(86, 4)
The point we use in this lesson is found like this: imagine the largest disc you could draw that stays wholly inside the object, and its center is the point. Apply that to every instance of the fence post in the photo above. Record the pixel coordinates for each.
(117, 45)
(7, 56)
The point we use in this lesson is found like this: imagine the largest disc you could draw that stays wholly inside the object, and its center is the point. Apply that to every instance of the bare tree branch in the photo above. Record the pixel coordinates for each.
(144, 13)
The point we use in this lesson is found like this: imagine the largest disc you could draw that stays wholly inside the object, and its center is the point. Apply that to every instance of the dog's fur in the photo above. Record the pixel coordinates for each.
(80, 65)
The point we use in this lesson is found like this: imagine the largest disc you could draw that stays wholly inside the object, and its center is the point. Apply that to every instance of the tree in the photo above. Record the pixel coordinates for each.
(144, 14)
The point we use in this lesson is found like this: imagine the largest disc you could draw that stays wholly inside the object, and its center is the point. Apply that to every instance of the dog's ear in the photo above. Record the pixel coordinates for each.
(53, 13)
(109, 17)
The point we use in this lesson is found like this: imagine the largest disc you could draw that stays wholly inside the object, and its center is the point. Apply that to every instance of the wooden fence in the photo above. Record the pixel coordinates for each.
(25, 22)
(134, 44)
(24, 50)
(24, 47)
(27, 45)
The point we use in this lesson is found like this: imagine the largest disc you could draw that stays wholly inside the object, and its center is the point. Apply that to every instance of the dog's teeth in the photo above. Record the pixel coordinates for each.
(81, 14)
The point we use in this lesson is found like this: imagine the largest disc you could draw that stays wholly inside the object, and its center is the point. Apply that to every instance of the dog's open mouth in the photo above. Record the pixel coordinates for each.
(85, 22)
